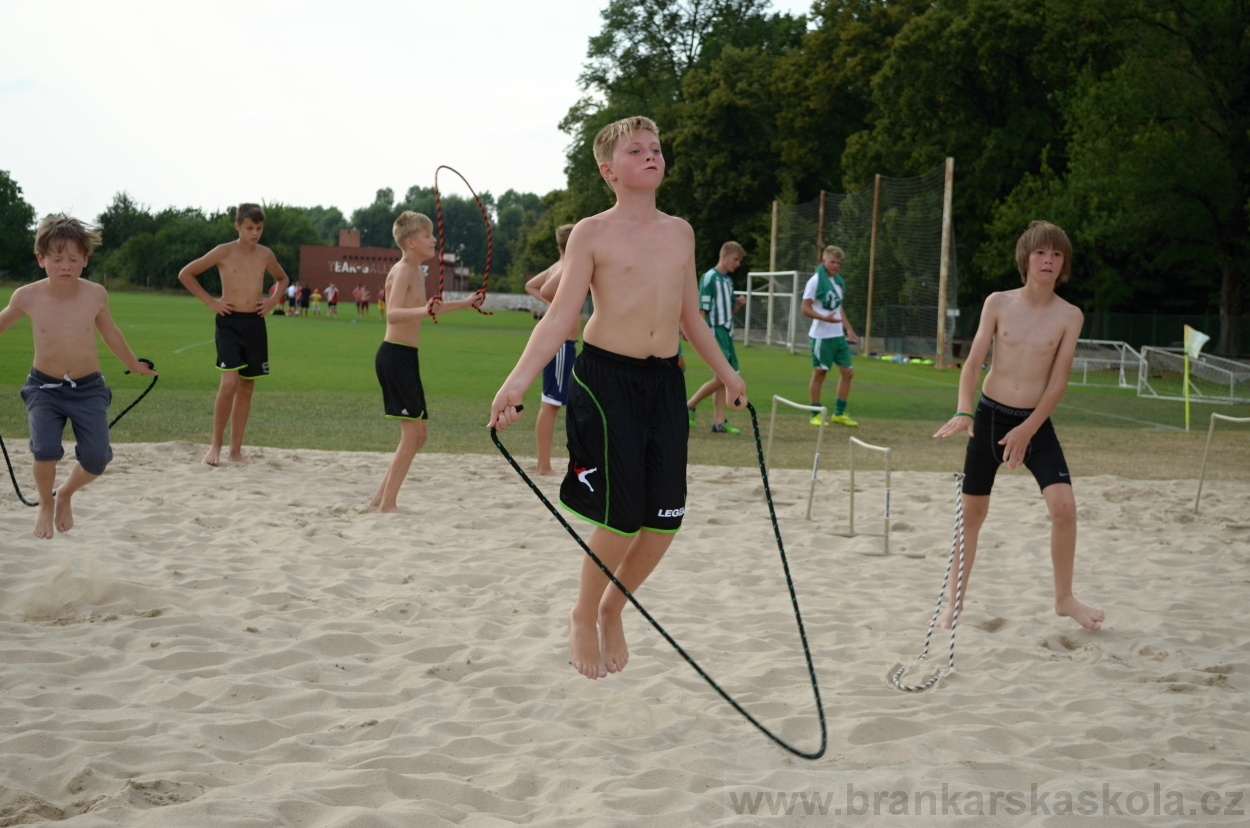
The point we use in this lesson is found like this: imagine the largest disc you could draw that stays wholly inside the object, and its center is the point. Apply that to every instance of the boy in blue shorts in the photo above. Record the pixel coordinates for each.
(559, 372)
(626, 421)
(65, 382)
(1011, 423)
(824, 301)
(242, 341)
(717, 306)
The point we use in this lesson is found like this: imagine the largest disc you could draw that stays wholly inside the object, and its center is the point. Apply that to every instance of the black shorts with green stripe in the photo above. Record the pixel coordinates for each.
(399, 374)
(627, 433)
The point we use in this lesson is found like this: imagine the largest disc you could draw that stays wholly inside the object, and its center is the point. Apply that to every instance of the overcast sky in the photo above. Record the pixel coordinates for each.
(304, 102)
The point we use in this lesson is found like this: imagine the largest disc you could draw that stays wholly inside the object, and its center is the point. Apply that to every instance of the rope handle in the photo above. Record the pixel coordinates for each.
(442, 238)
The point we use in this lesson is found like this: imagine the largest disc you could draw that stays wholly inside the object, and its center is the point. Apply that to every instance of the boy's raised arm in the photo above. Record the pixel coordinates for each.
(189, 276)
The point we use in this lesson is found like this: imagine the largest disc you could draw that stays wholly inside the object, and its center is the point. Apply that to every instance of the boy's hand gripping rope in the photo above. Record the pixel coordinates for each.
(957, 542)
(5, 451)
(811, 671)
(442, 242)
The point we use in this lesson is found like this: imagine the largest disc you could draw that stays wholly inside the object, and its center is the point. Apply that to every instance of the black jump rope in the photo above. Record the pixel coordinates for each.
(798, 618)
(5, 450)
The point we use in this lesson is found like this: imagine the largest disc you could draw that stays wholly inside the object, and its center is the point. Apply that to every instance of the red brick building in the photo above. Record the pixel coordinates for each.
(348, 264)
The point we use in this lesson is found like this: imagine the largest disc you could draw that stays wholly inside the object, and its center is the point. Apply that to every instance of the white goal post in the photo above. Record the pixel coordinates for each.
(1212, 379)
(772, 313)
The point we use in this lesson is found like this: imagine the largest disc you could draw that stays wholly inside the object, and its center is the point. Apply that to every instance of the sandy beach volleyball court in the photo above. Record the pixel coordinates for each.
(242, 647)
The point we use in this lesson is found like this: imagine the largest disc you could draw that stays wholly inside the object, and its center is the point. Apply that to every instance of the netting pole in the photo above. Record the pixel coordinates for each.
(820, 227)
(772, 241)
(768, 327)
(796, 302)
(866, 347)
(944, 263)
(1211, 433)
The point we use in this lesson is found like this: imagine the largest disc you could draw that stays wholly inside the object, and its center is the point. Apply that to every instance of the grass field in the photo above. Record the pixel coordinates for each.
(323, 394)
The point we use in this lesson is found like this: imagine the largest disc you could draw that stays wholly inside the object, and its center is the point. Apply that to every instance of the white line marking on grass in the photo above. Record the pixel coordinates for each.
(1159, 426)
(196, 345)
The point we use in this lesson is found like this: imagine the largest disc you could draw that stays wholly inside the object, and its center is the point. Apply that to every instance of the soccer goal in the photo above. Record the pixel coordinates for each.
(1105, 363)
(1212, 379)
(772, 312)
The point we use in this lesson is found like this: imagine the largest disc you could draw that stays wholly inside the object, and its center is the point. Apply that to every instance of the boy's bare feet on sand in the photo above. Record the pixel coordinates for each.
(213, 456)
(944, 620)
(43, 521)
(584, 649)
(1088, 617)
(64, 513)
(613, 649)
(547, 473)
(238, 457)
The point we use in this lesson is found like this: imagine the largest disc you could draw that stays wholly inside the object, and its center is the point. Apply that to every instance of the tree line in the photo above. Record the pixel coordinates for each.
(1126, 123)
(147, 248)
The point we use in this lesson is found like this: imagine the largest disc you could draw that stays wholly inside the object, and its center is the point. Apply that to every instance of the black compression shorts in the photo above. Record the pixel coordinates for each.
(627, 432)
(1044, 456)
(399, 374)
(243, 344)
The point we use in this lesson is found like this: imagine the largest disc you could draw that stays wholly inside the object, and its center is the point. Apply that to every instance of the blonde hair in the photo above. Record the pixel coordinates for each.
(247, 210)
(1043, 234)
(833, 248)
(611, 135)
(562, 236)
(57, 230)
(729, 248)
(409, 223)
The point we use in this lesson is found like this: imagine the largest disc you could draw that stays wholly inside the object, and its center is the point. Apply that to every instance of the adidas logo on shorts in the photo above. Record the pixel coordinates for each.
(404, 411)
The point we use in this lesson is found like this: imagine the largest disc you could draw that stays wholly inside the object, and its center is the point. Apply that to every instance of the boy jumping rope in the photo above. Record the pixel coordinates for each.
(399, 372)
(626, 420)
(242, 341)
(65, 382)
(559, 372)
(1033, 333)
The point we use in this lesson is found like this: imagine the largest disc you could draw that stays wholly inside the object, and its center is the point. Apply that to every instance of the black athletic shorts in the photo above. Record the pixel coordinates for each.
(627, 432)
(1043, 456)
(399, 374)
(243, 344)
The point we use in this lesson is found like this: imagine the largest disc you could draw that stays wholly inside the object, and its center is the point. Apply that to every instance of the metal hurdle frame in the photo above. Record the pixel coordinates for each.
(820, 432)
(1211, 433)
(850, 529)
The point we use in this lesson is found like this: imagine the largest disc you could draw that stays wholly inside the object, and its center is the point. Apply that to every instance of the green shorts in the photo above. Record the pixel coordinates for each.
(827, 353)
(725, 339)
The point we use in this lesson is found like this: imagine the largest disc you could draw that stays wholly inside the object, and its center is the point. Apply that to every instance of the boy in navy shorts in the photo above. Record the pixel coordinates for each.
(626, 417)
(1033, 332)
(558, 374)
(242, 341)
(399, 372)
(65, 382)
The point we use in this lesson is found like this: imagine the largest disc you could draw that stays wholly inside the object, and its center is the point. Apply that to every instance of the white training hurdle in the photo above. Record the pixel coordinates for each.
(1211, 433)
(772, 423)
(884, 534)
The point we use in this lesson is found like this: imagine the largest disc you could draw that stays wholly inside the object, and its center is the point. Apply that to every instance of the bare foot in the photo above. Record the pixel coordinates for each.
(944, 620)
(64, 513)
(584, 649)
(548, 472)
(615, 651)
(43, 521)
(239, 457)
(213, 456)
(1088, 617)
(388, 510)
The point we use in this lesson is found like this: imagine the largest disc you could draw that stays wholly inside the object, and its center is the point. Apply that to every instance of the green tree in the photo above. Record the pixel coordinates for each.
(327, 221)
(17, 237)
(375, 221)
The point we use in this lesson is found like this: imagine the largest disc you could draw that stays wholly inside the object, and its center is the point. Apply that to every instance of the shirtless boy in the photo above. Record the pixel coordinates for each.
(242, 341)
(65, 382)
(1033, 333)
(628, 392)
(399, 373)
(559, 372)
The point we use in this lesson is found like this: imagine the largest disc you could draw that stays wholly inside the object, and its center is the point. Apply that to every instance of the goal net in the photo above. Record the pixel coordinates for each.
(1105, 363)
(899, 308)
(772, 314)
(1212, 379)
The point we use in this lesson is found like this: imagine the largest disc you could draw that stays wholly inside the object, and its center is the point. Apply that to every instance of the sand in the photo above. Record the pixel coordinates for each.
(243, 647)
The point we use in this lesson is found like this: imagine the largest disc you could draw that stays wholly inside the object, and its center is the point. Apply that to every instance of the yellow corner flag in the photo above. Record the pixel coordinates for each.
(1194, 340)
